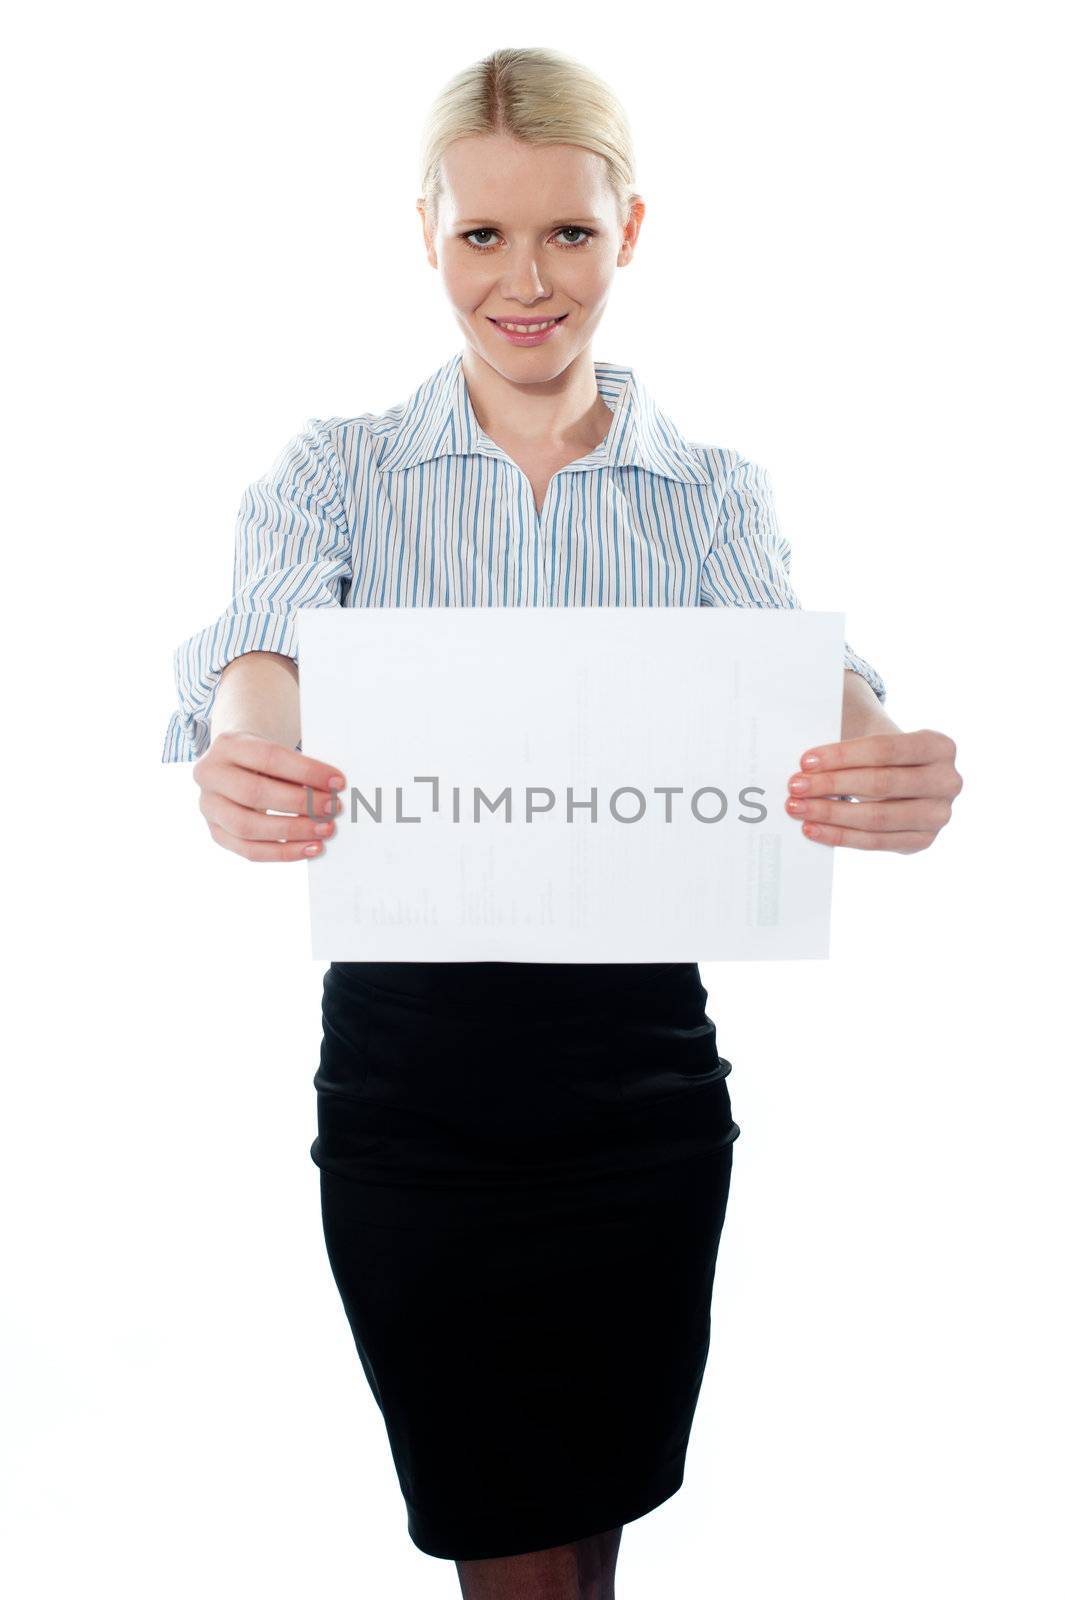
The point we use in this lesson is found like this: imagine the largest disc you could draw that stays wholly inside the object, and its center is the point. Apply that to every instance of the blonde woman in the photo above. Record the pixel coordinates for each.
(524, 1167)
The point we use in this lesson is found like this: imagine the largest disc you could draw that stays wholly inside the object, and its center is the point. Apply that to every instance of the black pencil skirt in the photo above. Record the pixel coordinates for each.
(524, 1173)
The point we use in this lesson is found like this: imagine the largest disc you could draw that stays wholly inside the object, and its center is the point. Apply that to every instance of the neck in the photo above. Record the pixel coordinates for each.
(566, 411)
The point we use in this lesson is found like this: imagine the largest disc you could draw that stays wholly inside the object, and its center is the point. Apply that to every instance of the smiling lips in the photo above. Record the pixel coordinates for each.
(525, 324)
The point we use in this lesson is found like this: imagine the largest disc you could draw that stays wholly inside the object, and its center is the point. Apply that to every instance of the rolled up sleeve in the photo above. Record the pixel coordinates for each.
(749, 562)
(292, 549)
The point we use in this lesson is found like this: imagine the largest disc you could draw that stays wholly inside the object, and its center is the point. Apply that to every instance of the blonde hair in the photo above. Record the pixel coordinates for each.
(540, 96)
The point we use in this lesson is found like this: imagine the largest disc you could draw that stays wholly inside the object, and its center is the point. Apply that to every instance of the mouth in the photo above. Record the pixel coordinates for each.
(526, 330)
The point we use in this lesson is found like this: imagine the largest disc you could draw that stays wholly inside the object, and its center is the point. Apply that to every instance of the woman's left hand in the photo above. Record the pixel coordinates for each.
(906, 784)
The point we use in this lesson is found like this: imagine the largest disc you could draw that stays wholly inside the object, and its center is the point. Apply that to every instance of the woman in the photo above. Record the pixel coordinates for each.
(524, 1167)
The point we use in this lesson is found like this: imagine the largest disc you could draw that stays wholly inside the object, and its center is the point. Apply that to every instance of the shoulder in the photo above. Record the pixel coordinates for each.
(724, 465)
(728, 475)
(346, 437)
(359, 442)
(423, 411)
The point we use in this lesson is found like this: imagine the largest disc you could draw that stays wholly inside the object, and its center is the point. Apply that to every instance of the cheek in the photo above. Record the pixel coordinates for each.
(589, 282)
(589, 274)
(465, 281)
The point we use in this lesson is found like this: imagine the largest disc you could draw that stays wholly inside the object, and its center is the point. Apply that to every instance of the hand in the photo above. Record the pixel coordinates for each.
(242, 776)
(905, 783)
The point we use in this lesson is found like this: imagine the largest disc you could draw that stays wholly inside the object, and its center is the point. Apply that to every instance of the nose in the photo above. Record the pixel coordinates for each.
(523, 280)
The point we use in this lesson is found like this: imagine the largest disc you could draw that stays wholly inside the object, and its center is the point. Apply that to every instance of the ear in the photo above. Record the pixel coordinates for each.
(631, 232)
(430, 242)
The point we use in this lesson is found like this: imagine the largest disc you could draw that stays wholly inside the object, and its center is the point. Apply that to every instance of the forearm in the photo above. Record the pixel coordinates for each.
(259, 693)
(862, 712)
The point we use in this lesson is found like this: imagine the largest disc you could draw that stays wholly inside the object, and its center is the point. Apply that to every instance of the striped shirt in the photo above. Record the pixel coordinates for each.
(417, 506)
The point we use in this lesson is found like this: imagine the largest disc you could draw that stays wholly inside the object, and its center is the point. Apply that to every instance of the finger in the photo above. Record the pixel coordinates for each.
(263, 850)
(245, 823)
(879, 783)
(278, 761)
(260, 792)
(880, 750)
(854, 839)
(881, 816)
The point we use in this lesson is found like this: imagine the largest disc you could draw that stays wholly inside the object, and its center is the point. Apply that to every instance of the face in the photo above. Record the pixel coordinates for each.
(530, 233)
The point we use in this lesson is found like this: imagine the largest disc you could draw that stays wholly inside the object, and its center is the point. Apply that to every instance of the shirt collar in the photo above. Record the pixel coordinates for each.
(438, 420)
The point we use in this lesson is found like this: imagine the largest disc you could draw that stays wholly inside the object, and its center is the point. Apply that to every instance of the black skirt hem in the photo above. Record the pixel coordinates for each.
(531, 1530)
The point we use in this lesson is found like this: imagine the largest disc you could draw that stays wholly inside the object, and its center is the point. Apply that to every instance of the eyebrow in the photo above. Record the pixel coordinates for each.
(574, 222)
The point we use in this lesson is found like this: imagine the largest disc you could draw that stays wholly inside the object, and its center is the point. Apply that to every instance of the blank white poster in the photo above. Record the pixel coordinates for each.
(568, 784)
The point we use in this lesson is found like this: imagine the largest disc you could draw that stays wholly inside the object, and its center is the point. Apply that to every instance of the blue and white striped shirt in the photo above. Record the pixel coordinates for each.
(417, 506)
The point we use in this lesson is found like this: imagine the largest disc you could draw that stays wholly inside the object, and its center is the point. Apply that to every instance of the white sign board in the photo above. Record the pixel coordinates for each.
(568, 783)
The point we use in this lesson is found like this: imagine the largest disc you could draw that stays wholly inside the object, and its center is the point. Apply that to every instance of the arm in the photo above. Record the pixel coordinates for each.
(906, 782)
(749, 564)
(260, 797)
(292, 549)
(862, 710)
(259, 693)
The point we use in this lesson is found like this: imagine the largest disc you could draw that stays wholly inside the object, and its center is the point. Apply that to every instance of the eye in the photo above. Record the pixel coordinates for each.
(578, 244)
(469, 237)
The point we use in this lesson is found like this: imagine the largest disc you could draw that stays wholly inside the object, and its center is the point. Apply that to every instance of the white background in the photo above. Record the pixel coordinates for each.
(849, 270)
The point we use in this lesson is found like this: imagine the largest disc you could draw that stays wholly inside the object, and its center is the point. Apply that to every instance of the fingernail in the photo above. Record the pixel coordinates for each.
(311, 849)
(799, 785)
(810, 761)
(336, 783)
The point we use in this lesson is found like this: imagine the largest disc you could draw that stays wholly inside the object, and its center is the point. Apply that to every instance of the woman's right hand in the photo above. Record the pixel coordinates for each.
(242, 776)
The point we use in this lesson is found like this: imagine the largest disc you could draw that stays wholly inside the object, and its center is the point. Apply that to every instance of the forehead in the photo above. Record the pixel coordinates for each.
(497, 174)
